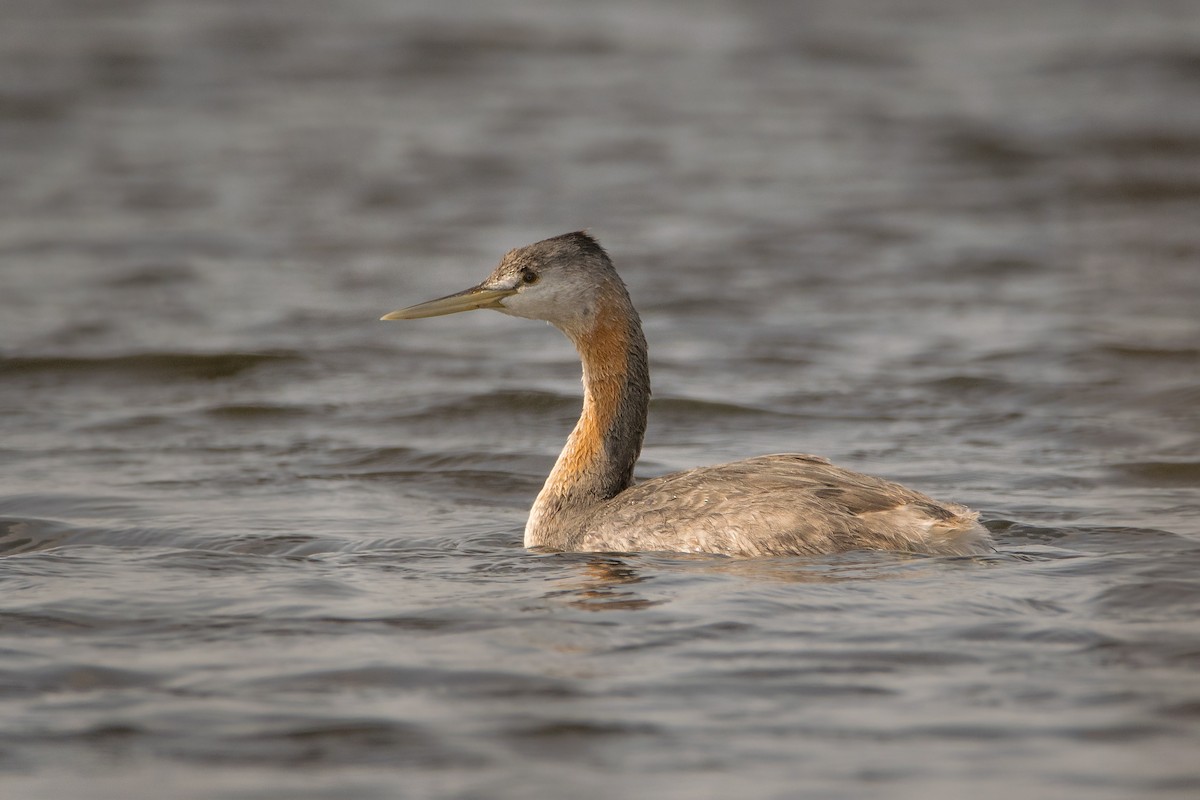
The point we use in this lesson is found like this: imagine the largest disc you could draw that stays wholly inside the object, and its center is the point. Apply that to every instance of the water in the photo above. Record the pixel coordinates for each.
(256, 544)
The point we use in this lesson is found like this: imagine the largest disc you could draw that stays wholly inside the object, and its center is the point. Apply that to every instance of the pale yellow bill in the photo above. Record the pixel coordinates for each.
(467, 300)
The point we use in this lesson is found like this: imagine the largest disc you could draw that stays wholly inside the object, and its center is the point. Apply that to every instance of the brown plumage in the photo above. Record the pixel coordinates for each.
(787, 504)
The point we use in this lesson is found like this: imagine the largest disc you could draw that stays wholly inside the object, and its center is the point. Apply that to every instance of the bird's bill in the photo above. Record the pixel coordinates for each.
(467, 300)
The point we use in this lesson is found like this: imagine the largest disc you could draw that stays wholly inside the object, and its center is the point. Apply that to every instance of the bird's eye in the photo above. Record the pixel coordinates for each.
(529, 276)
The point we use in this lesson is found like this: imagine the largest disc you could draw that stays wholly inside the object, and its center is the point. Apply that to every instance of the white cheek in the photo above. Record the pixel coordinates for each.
(553, 304)
(522, 305)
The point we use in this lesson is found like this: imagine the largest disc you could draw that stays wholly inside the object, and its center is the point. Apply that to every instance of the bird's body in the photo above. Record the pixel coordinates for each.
(787, 504)
(783, 504)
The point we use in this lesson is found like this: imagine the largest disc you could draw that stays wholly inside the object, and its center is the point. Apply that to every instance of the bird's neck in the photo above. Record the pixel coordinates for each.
(597, 462)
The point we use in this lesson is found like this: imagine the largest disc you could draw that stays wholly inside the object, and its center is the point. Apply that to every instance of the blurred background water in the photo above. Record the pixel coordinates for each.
(255, 544)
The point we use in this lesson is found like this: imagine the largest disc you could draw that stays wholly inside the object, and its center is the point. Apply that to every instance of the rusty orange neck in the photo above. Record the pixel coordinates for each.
(597, 462)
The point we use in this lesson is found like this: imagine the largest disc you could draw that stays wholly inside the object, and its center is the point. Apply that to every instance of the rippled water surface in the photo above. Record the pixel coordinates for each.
(256, 544)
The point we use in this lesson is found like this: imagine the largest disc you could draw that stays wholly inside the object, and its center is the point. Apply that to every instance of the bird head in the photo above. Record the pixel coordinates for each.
(562, 280)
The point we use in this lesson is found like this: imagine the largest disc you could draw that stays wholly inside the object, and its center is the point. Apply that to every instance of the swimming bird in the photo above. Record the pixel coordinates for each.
(786, 504)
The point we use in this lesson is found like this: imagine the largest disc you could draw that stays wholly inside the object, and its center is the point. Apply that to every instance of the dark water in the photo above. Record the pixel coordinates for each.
(258, 545)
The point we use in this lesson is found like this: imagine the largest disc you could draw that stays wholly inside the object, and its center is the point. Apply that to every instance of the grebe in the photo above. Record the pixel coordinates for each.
(789, 504)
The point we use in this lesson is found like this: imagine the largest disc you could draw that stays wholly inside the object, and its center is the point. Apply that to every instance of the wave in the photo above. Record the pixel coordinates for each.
(155, 366)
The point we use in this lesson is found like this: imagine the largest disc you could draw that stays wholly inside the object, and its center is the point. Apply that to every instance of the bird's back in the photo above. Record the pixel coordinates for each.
(788, 504)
